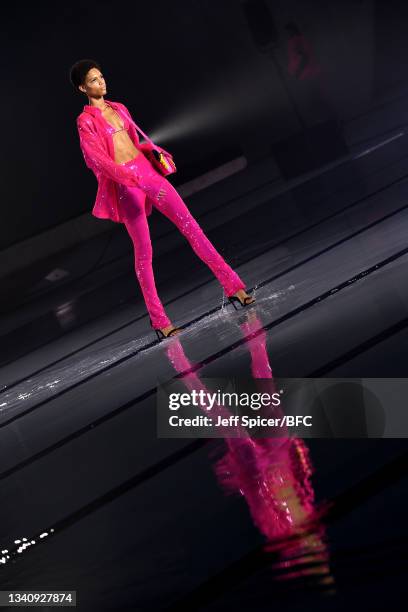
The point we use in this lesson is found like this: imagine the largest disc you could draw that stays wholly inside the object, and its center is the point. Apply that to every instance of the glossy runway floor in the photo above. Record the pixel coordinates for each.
(136, 522)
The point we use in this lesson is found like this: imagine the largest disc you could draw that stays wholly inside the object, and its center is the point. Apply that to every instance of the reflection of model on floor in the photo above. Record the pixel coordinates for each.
(272, 474)
(129, 185)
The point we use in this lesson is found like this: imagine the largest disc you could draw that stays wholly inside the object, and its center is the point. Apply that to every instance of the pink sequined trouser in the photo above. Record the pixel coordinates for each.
(132, 206)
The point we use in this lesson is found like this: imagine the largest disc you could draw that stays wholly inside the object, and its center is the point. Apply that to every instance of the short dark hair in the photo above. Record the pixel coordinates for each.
(79, 70)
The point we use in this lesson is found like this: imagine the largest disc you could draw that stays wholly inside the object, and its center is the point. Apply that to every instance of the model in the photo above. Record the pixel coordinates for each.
(128, 187)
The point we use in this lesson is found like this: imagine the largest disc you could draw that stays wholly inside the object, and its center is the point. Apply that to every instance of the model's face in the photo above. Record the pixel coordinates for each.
(94, 84)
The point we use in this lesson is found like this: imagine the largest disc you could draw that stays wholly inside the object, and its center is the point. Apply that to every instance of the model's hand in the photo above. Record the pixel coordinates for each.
(161, 194)
(146, 147)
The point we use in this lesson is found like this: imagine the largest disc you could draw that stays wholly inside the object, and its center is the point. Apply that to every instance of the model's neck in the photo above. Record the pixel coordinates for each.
(100, 103)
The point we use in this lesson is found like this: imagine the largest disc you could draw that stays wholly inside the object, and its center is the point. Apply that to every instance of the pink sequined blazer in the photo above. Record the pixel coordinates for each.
(96, 142)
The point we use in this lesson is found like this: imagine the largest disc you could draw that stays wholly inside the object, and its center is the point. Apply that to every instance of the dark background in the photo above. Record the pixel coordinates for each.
(323, 246)
(194, 77)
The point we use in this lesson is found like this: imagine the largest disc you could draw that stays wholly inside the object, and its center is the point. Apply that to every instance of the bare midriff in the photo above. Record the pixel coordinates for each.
(125, 150)
(124, 147)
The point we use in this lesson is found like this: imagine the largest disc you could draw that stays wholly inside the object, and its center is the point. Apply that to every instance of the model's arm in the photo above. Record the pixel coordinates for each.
(97, 159)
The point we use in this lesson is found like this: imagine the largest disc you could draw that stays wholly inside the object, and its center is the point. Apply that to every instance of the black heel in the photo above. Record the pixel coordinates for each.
(234, 298)
(162, 336)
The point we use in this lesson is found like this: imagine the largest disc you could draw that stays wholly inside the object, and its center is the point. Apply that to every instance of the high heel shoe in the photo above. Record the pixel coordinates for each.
(163, 336)
(234, 298)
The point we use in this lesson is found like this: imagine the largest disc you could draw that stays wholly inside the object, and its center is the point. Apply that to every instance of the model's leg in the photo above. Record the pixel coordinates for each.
(132, 201)
(172, 206)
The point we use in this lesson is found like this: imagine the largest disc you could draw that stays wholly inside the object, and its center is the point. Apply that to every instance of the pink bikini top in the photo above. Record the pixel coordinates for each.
(125, 124)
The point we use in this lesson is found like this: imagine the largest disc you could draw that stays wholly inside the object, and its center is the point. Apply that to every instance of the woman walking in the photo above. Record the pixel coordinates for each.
(128, 187)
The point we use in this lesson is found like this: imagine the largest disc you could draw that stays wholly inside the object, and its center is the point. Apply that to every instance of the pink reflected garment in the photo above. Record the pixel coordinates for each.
(126, 194)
